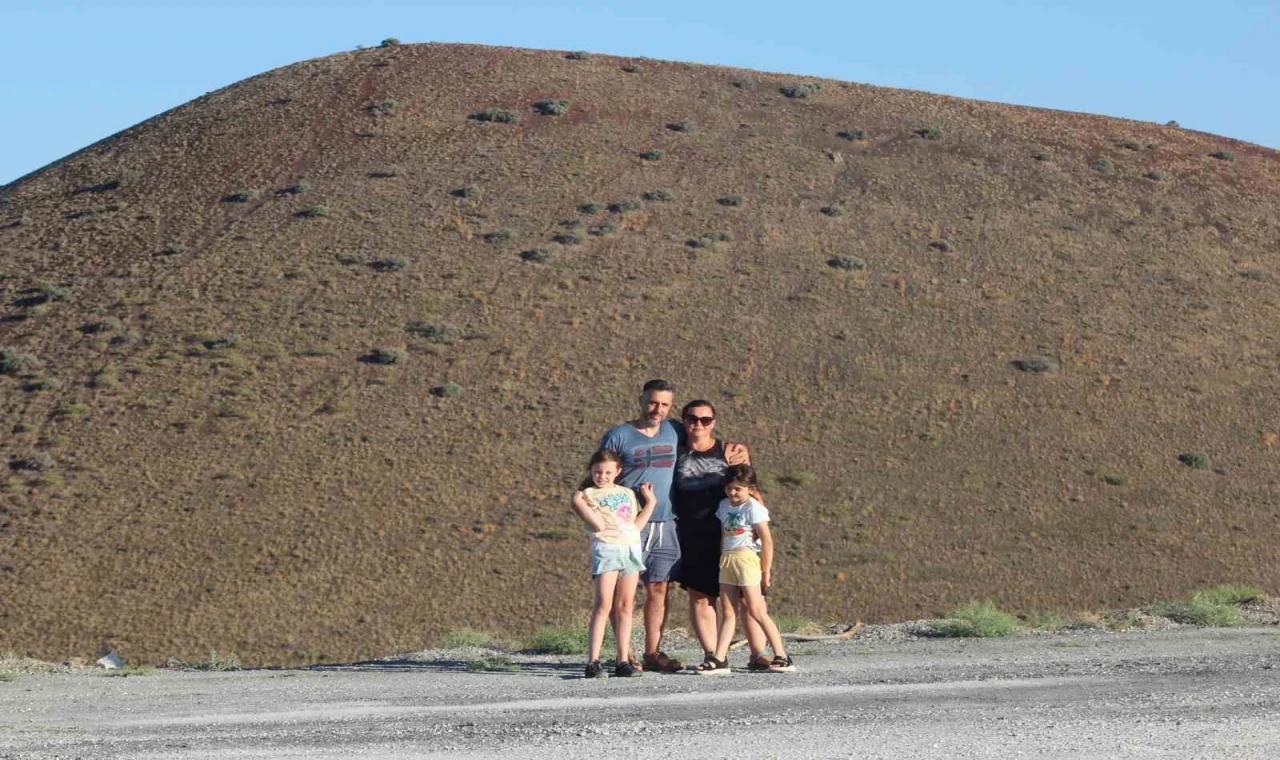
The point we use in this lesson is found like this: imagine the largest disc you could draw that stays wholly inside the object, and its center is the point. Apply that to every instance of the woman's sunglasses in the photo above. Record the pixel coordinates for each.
(695, 420)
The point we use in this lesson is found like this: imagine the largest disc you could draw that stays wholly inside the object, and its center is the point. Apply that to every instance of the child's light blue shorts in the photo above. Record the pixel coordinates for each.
(621, 558)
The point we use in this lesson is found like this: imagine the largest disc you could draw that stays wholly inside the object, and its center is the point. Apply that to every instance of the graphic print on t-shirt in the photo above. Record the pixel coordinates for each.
(618, 503)
(735, 523)
(661, 456)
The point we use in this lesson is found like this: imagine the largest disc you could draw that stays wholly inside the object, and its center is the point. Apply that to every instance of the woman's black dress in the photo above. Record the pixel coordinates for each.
(699, 488)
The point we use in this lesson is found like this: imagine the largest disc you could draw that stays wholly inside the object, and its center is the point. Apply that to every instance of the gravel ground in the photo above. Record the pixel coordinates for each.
(1179, 692)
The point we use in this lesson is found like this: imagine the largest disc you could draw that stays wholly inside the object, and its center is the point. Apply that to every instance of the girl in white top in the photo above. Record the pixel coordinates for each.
(744, 574)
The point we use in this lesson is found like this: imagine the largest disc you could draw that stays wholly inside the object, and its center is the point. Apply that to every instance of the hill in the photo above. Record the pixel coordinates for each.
(306, 368)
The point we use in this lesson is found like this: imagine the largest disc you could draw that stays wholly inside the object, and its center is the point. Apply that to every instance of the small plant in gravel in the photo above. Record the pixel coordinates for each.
(602, 229)
(497, 236)
(977, 619)
(436, 332)
(651, 155)
(16, 362)
(388, 355)
(314, 212)
(560, 641)
(1196, 460)
(383, 106)
(852, 135)
(661, 194)
(730, 200)
(1223, 155)
(800, 91)
(244, 196)
(684, 125)
(467, 637)
(466, 191)
(448, 390)
(930, 133)
(848, 263)
(390, 264)
(567, 238)
(552, 107)
(623, 206)
(1101, 165)
(578, 55)
(537, 255)
(493, 664)
(497, 116)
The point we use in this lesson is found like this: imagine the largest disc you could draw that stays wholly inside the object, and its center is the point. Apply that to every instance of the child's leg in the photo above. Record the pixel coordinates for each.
(624, 607)
(600, 607)
(728, 623)
(758, 610)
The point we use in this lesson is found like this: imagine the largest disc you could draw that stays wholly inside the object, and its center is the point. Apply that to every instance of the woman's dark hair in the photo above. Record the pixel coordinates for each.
(697, 402)
(741, 473)
(603, 455)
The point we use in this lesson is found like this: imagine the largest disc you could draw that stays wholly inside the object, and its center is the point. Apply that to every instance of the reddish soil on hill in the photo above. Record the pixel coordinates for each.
(204, 452)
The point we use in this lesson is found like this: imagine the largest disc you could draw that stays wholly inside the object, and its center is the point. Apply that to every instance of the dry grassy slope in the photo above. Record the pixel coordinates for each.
(293, 507)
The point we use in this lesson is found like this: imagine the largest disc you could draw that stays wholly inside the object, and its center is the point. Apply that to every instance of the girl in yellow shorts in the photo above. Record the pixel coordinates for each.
(744, 573)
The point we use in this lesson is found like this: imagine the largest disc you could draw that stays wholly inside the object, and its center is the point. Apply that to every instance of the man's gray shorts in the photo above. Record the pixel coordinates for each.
(661, 552)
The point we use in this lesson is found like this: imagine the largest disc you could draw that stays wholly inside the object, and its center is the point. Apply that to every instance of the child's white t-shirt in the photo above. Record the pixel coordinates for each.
(736, 522)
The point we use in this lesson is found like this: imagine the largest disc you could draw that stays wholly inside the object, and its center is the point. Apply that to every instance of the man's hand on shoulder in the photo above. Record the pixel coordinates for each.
(736, 453)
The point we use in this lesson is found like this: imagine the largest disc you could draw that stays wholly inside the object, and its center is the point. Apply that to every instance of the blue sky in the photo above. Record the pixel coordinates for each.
(77, 72)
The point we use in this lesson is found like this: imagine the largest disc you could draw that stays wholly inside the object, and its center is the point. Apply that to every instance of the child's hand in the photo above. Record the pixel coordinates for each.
(766, 581)
(646, 490)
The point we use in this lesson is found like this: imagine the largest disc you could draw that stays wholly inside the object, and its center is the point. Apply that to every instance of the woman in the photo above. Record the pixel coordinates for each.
(700, 465)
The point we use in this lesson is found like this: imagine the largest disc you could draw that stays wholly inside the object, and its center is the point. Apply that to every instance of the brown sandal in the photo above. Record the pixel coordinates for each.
(662, 663)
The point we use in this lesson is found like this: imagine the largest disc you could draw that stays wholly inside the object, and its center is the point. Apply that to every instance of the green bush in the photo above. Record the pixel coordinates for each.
(552, 107)
(51, 293)
(651, 155)
(1223, 155)
(1229, 594)
(560, 641)
(383, 106)
(977, 619)
(497, 115)
(448, 390)
(1214, 607)
(1196, 460)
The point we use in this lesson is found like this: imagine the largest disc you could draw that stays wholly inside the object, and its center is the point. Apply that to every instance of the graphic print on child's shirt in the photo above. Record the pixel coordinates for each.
(736, 522)
(617, 505)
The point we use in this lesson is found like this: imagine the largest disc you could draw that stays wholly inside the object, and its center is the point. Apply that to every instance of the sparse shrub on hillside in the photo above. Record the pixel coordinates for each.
(1043, 157)
(977, 619)
(437, 332)
(314, 212)
(244, 196)
(832, 210)
(930, 133)
(651, 155)
(350, 258)
(14, 361)
(800, 91)
(448, 390)
(684, 125)
(590, 208)
(552, 107)
(631, 68)
(387, 355)
(602, 229)
(537, 255)
(1171, 123)
(661, 194)
(297, 189)
(1196, 460)
(102, 325)
(852, 135)
(571, 224)
(623, 206)
(730, 200)
(578, 55)
(1101, 165)
(1154, 176)
(745, 83)
(48, 293)
(497, 115)
(389, 42)
(497, 236)
(1112, 477)
(1223, 155)
(106, 377)
(41, 461)
(940, 245)
(567, 238)
(386, 172)
(467, 191)
(221, 342)
(846, 262)
(390, 264)
(708, 240)
(1036, 364)
(1128, 144)
(383, 106)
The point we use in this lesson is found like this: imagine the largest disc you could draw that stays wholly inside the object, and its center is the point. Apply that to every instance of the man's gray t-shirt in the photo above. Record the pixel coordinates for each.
(645, 459)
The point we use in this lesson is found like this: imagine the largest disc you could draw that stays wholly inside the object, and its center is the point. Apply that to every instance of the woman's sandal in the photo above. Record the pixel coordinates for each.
(713, 667)
(758, 663)
(782, 665)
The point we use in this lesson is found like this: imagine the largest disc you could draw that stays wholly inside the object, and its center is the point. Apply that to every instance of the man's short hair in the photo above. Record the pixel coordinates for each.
(659, 385)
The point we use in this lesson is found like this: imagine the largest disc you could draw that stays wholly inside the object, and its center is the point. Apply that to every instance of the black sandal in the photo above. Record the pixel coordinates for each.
(759, 663)
(781, 664)
(713, 667)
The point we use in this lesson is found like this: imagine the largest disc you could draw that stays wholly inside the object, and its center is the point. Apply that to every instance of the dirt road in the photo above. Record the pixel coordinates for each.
(1180, 693)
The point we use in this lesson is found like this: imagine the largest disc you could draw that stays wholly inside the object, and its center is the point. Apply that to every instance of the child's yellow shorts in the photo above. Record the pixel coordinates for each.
(740, 567)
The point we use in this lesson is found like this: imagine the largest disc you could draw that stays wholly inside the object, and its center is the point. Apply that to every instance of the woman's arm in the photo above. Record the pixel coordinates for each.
(646, 509)
(766, 553)
(582, 505)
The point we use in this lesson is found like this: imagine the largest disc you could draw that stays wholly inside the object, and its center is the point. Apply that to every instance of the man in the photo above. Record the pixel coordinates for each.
(648, 446)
